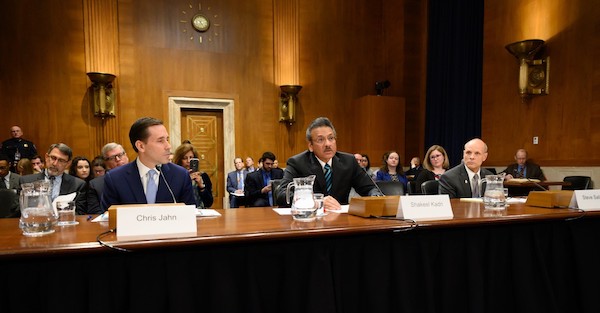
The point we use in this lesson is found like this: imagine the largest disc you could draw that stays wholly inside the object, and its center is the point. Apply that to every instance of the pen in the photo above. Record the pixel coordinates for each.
(89, 217)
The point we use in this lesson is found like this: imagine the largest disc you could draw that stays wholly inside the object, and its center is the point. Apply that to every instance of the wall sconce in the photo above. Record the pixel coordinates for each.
(533, 74)
(287, 103)
(102, 94)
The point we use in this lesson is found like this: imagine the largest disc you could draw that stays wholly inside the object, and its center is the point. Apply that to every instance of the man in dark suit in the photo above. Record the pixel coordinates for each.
(58, 160)
(140, 181)
(257, 186)
(523, 168)
(9, 180)
(462, 181)
(322, 159)
(235, 184)
(114, 156)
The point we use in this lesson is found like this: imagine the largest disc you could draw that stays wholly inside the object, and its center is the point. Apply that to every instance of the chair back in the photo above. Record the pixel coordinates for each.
(577, 182)
(430, 187)
(9, 203)
(391, 188)
(411, 187)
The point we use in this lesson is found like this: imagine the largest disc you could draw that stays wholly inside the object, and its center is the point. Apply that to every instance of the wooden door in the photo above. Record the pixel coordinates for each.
(204, 129)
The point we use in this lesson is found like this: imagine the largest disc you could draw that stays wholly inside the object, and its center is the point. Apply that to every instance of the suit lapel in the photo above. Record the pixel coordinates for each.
(466, 182)
(315, 167)
(133, 180)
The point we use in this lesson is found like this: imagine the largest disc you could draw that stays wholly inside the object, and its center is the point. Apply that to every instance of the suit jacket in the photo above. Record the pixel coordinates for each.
(122, 185)
(13, 181)
(532, 170)
(254, 182)
(456, 183)
(94, 194)
(345, 174)
(232, 180)
(68, 185)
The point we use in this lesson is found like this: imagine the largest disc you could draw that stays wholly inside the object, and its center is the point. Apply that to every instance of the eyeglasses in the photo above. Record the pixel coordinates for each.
(321, 140)
(114, 157)
(57, 159)
(3, 167)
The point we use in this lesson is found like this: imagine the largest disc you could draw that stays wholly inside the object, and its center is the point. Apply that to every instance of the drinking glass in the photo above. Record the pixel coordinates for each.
(66, 213)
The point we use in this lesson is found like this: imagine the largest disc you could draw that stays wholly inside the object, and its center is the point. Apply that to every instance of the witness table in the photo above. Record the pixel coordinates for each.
(254, 260)
(522, 188)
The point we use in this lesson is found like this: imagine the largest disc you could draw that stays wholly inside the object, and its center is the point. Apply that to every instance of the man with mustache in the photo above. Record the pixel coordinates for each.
(58, 159)
(336, 172)
(140, 181)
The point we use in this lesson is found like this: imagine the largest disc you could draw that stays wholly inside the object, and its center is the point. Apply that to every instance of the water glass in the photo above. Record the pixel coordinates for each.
(66, 213)
(319, 204)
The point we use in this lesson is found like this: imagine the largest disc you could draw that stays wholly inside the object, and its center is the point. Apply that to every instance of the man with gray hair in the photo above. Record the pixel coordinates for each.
(336, 172)
(114, 156)
(58, 159)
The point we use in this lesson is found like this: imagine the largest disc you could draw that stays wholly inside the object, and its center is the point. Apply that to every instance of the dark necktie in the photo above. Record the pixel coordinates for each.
(475, 186)
(328, 178)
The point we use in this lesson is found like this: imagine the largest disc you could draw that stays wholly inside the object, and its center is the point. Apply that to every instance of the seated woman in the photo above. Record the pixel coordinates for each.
(366, 164)
(391, 170)
(24, 167)
(435, 164)
(98, 166)
(81, 167)
(200, 181)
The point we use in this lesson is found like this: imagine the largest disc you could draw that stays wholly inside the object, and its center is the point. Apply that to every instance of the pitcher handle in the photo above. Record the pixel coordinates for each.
(287, 192)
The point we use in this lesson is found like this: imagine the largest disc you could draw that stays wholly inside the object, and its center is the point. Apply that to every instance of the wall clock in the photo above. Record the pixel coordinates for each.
(199, 23)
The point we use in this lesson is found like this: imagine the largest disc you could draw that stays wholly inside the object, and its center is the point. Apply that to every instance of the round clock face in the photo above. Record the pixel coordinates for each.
(200, 22)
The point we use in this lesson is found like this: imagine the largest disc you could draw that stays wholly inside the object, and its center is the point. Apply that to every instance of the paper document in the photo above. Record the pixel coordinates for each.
(207, 212)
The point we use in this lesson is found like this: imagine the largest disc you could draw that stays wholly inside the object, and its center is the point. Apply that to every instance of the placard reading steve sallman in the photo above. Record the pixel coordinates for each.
(156, 221)
(430, 207)
(587, 200)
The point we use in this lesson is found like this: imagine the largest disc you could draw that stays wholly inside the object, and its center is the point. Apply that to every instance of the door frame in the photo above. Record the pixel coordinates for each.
(177, 104)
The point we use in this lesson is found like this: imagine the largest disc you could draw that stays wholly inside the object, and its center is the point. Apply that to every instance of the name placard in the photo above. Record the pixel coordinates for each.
(587, 200)
(155, 221)
(421, 208)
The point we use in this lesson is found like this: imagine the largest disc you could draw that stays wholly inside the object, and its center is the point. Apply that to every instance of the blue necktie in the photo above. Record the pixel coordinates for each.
(328, 178)
(151, 187)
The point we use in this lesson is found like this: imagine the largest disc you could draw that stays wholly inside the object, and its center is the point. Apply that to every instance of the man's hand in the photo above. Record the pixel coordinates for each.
(330, 203)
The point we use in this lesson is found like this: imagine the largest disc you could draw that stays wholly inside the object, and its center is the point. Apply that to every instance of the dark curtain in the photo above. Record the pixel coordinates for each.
(454, 74)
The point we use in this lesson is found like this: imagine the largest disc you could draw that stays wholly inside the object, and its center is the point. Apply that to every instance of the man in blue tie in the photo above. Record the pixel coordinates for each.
(524, 168)
(235, 184)
(336, 172)
(257, 186)
(151, 178)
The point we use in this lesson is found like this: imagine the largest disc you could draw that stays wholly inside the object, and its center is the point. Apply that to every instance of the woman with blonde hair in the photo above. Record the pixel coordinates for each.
(24, 167)
(200, 181)
(435, 165)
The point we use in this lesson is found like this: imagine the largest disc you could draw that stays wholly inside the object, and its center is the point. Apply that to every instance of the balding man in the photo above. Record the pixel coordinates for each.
(462, 181)
(17, 148)
(523, 168)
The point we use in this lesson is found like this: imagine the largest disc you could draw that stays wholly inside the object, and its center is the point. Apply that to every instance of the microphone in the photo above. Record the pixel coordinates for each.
(373, 181)
(159, 169)
(537, 185)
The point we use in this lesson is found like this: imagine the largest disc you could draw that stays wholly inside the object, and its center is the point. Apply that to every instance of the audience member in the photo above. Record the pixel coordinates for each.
(415, 168)
(391, 170)
(436, 163)
(38, 165)
(10, 180)
(24, 167)
(257, 186)
(365, 163)
(462, 181)
(113, 156)
(98, 166)
(336, 172)
(250, 164)
(275, 164)
(523, 168)
(16, 147)
(80, 167)
(201, 183)
(138, 181)
(58, 159)
(235, 184)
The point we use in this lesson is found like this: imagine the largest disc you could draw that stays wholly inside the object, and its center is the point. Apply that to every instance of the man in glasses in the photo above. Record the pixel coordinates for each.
(58, 159)
(114, 156)
(336, 172)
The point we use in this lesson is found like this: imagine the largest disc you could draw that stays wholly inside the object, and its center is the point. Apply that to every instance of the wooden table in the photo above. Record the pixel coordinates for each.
(522, 188)
(254, 260)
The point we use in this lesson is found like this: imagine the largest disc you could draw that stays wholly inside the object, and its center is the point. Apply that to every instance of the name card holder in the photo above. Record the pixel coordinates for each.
(153, 221)
(587, 200)
(373, 206)
(550, 198)
(423, 208)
